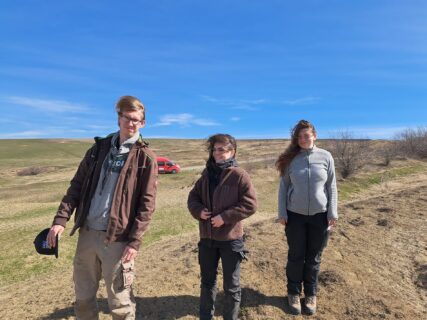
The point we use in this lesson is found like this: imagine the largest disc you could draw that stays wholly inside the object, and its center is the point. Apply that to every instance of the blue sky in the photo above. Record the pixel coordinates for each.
(248, 68)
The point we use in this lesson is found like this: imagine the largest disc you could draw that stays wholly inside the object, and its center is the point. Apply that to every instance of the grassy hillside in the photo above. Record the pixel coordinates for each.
(28, 202)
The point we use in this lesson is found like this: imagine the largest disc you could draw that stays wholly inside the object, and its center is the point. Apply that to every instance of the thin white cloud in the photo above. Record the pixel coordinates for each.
(244, 107)
(240, 104)
(47, 132)
(56, 106)
(301, 101)
(253, 105)
(183, 120)
(235, 119)
(26, 134)
(100, 127)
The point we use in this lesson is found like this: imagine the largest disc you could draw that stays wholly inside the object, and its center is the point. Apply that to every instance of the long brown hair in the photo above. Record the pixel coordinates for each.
(293, 149)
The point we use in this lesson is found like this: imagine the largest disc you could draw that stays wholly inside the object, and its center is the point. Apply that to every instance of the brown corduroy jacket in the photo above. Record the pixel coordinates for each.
(234, 199)
(133, 202)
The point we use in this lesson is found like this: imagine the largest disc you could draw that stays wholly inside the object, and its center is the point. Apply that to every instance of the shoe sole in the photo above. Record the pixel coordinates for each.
(295, 312)
(309, 311)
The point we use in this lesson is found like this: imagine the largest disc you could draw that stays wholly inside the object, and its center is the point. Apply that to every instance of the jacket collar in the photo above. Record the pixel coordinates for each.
(314, 149)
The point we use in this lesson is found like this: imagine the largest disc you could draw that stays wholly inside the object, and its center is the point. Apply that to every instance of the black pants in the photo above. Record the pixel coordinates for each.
(210, 251)
(307, 236)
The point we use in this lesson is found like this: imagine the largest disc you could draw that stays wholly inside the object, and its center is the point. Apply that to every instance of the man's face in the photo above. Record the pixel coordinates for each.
(130, 122)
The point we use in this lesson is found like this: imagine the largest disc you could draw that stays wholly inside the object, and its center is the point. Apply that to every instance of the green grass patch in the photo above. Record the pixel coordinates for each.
(22, 153)
(28, 215)
(19, 260)
(169, 222)
(29, 203)
(354, 185)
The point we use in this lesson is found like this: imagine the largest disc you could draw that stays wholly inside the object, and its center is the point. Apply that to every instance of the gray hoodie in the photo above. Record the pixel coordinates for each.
(309, 185)
(99, 212)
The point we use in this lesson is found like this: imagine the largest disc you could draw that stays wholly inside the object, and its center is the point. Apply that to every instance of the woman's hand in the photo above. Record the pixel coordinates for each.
(283, 221)
(205, 215)
(217, 221)
(332, 223)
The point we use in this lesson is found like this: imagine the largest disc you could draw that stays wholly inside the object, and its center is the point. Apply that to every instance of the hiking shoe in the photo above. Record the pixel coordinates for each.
(294, 304)
(310, 304)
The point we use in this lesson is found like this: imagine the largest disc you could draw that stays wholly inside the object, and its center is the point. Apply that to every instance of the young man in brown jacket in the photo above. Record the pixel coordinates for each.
(113, 192)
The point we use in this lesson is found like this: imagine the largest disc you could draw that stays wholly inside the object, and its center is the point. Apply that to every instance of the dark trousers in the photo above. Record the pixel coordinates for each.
(210, 251)
(307, 236)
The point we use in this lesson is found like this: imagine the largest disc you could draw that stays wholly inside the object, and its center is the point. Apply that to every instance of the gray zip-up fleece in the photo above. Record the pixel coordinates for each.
(309, 185)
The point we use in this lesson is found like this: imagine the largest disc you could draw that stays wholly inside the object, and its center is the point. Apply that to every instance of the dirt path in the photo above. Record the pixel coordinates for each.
(375, 267)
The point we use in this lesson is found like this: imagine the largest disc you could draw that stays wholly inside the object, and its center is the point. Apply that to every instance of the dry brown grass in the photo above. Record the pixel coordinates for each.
(167, 285)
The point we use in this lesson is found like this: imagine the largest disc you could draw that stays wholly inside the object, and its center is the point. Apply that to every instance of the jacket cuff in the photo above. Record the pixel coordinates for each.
(282, 216)
(135, 244)
(59, 221)
(332, 215)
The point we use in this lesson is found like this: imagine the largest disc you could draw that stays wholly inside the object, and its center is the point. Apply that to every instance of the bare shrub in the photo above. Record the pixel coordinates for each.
(349, 153)
(413, 142)
(389, 152)
(32, 171)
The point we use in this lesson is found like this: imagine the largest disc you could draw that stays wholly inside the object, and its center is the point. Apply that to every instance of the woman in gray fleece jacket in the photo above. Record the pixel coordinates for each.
(308, 209)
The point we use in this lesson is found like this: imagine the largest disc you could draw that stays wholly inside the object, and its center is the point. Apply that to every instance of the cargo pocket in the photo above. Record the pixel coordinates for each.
(127, 275)
(238, 247)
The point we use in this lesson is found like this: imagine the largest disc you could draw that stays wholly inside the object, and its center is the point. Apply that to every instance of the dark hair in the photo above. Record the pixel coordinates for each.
(292, 150)
(220, 138)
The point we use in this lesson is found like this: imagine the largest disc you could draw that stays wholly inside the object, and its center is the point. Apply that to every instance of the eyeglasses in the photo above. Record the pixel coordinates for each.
(126, 118)
(220, 150)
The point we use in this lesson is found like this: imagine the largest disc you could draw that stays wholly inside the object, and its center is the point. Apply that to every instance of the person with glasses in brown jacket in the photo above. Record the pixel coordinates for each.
(220, 199)
(113, 193)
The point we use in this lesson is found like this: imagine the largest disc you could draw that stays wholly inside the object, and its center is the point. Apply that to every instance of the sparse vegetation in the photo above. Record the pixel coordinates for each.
(355, 185)
(28, 202)
(413, 142)
(349, 153)
(389, 152)
(32, 171)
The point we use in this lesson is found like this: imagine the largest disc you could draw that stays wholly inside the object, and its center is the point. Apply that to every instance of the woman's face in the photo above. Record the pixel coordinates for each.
(306, 138)
(222, 152)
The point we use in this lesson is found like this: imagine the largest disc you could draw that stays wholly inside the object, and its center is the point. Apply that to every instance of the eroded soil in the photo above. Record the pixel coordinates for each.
(375, 267)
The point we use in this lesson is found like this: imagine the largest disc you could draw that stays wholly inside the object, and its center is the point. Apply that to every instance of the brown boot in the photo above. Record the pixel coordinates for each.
(294, 304)
(310, 304)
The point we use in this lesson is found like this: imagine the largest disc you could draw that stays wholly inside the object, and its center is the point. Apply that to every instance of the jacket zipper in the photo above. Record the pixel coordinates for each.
(84, 202)
(223, 177)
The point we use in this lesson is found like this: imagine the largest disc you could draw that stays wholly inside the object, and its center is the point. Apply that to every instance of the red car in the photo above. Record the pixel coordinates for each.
(167, 166)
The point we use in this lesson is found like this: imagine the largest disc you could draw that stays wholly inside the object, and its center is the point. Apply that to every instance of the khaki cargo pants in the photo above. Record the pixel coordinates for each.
(94, 260)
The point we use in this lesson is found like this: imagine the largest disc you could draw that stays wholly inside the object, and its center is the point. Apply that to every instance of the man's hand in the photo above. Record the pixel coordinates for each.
(129, 254)
(51, 236)
(205, 215)
(217, 221)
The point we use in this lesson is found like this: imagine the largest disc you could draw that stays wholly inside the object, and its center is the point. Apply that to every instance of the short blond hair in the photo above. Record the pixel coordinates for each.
(130, 103)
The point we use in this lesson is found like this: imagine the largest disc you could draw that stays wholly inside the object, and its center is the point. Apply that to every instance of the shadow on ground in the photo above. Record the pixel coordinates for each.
(173, 307)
